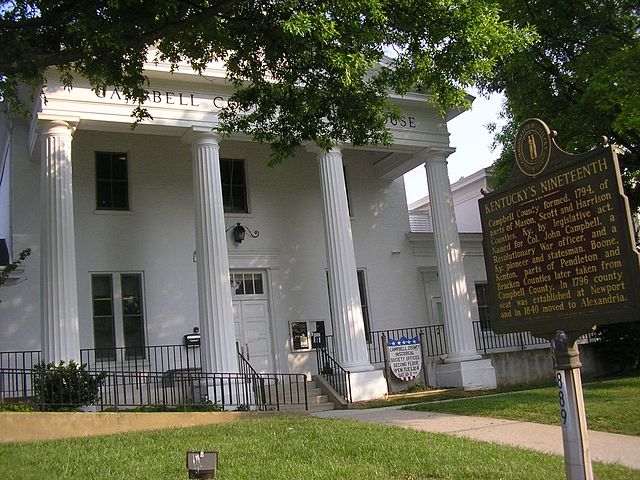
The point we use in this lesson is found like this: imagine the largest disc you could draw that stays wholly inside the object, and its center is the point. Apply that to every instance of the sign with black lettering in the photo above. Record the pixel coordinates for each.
(559, 248)
(405, 357)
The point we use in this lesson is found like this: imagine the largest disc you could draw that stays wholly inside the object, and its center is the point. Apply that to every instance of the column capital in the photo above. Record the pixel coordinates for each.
(52, 126)
(434, 154)
(319, 151)
(201, 136)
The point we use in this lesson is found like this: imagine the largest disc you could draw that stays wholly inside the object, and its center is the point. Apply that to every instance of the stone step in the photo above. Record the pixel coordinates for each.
(316, 400)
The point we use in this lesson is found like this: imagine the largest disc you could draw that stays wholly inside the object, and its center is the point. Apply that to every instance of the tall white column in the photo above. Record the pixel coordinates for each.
(348, 334)
(214, 290)
(455, 298)
(463, 367)
(348, 326)
(58, 285)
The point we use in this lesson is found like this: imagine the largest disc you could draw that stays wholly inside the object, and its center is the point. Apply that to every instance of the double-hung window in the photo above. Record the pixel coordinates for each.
(112, 181)
(364, 302)
(234, 185)
(483, 306)
(118, 315)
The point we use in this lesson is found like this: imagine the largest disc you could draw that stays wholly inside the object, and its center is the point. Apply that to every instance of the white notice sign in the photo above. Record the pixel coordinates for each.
(405, 357)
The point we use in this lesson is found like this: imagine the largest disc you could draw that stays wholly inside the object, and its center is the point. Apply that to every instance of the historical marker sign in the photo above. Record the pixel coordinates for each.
(559, 250)
(405, 357)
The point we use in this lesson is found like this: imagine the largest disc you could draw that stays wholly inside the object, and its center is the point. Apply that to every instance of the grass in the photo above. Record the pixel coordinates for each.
(611, 406)
(286, 448)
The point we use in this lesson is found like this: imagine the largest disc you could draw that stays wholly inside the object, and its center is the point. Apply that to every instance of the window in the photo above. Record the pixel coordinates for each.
(346, 187)
(112, 183)
(483, 306)
(364, 302)
(247, 284)
(118, 315)
(307, 335)
(234, 185)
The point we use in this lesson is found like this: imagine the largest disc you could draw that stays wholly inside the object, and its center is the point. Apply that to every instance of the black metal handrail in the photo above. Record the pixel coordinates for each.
(254, 379)
(332, 372)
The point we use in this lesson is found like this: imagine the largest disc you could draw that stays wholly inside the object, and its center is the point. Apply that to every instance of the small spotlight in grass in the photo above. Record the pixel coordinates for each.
(202, 464)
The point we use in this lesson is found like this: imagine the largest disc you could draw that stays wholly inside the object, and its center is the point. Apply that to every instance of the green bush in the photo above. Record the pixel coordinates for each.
(17, 407)
(62, 386)
(618, 345)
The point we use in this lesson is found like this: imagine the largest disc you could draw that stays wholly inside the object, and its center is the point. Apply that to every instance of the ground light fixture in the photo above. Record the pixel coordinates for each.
(202, 464)
(239, 231)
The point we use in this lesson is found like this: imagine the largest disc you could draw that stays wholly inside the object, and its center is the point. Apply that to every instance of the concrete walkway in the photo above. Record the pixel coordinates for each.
(604, 447)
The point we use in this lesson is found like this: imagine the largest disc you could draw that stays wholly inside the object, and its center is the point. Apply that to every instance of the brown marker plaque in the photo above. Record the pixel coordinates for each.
(559, 248)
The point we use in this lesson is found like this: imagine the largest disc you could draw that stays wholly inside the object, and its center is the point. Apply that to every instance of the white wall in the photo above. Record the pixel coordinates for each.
(20, 306)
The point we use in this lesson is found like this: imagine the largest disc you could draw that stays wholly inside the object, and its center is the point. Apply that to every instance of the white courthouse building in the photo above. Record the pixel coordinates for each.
(133, 237)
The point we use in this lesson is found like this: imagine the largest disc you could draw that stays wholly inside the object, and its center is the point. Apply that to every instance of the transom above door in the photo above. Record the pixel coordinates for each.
(248, 285)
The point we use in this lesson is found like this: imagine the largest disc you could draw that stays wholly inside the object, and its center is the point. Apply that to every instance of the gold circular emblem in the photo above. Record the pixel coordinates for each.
(533, 147)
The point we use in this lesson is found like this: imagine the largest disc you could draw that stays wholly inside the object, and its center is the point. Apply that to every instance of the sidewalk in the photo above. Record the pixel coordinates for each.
(604, 447)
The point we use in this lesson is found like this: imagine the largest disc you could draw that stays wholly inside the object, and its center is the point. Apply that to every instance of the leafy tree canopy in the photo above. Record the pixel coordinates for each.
(304, 70)
(582, 77)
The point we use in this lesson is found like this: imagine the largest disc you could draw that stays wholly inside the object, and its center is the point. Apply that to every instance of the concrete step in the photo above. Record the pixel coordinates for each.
(316, 400)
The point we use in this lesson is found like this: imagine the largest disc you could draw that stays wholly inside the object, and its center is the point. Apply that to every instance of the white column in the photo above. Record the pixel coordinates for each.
(214, 291)
(58, 285)
(455, 298)
(349, 336)
(348, 326)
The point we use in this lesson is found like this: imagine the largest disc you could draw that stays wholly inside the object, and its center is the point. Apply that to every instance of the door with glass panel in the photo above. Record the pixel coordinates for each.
(251, 319)
(118, 315)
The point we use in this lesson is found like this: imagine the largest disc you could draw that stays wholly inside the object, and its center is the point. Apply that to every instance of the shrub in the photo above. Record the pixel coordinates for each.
(618, 345)
(60, 386)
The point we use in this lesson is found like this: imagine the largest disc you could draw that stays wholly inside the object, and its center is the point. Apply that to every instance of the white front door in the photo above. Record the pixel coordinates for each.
(251, 319)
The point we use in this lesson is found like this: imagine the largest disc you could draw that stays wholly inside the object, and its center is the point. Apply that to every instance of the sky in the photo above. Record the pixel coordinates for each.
(472, 141)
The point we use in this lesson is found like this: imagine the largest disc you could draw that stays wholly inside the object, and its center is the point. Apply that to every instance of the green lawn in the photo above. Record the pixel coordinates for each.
(285, 448)
(611, 406)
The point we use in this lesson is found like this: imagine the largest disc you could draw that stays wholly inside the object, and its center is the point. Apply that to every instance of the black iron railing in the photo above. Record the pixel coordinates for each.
(158, 358)
(487, 341)
(16, 368)
(168, 376)
(332, 372)
(434, 337)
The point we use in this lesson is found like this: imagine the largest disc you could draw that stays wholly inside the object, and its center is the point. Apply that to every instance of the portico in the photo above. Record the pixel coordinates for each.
(310, 240)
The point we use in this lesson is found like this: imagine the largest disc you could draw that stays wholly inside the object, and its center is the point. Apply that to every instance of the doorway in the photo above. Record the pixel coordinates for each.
(252, 322)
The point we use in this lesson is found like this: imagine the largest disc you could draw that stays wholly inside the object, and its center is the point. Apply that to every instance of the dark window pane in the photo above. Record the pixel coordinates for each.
(132, 315)
(103, 166)
(225, 170)
(365, 304)
(237, 172)
(120, 196)
(248, 284)
(131, 294)
(483, 307)
(238, 200)
(103, 194)
(258, 284)
(119, 167)
(103, 324)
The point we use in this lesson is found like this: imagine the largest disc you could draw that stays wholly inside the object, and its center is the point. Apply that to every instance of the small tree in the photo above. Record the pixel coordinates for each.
(59, 386)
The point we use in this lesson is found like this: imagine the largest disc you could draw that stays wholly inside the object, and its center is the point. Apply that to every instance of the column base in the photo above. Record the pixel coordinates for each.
(368, 385)
(472, 375)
